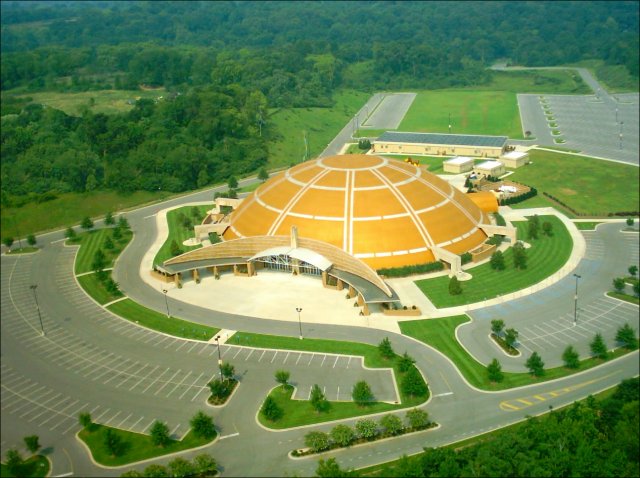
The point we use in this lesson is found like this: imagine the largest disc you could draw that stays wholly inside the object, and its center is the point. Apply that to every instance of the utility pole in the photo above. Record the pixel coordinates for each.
(217, 339)
(33, 287)
(299, 309)
(449, 123)
(166, 301)
(575, 297)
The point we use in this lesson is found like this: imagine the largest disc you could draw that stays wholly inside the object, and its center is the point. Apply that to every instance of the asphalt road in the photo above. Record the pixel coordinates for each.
(128, 376)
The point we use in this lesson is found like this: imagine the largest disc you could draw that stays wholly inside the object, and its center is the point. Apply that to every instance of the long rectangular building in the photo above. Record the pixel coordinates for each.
(439, 144)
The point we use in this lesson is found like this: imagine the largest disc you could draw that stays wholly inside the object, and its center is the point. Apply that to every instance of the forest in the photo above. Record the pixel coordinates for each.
(225, 67)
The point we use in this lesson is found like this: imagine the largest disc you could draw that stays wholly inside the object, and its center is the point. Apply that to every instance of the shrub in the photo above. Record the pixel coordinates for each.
(535, 365)
(342, 435)
(494, 371)
(361, 393)
(405, 362)
(367, 429)
(417, 418)
(317, 441)
(160, 433)
(571, 358)
(202, 426)
(454, 286)
(271, 410)
(626, 336)
(497, 261)
(385, 348)
(598, 347)
(413, 383)
(391, 424)
(410, 270)
(465, 258)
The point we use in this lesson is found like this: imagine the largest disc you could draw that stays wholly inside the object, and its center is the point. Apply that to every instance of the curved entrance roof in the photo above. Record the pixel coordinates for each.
(384, 212)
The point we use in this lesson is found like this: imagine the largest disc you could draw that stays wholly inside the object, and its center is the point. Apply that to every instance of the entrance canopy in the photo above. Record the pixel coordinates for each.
(300, 253)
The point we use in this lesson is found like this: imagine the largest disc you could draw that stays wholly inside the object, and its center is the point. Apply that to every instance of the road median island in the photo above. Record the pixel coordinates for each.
(440, 334)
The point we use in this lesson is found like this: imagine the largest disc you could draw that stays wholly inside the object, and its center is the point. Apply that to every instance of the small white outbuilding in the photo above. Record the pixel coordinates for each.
(457, 165)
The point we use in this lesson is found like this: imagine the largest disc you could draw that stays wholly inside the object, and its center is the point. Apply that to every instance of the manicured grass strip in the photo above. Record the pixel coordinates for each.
(545, 257)
(178, 232)
(96, 289)
(541, 201)
(627, 298)
(24, 250)
(588, 185)
(586, 226)
(91, 241)
(300, 412)
(33, 467)
(440, 334)
(151, 319)
(136, 446)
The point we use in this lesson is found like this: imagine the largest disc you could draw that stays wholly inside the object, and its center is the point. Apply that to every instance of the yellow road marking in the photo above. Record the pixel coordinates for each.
(522, 400)
(505, 406)
(539, 397)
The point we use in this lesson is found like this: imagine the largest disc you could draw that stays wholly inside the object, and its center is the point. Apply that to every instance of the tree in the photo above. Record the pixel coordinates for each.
(633, 270)
(263, 175)
(331, 469)
(134, 474)
(454, 286)
(405, 362)
(361, 393)
(203, 178)
(385, 348)
(108, 243)
(32, 442)
(8, 241)
(113, 442)
(636, 288)
(205, 465)
(85, 419)
(156, 471)
(626, 336)
(86, 223)
(497, 325)
(175, 248)
(391, 424)
(160, 433)
(343, 435)
(233, 183)
(618, 284)
(417, 418)
(14, 462)
(282, 377)
(318, 400)
(366, 429)
(108, 219)
(535, 365)
(117, 233)
(70, 233)
(494, 371)
(271, 410)
(181, 468)
(598, 347)
(533, 227)
(123, 223)
(99, 261)
(228, 370)
(547, 228)
(519, 256)
(571, 358)
(413, 383)
(510, 337)
(317, 441)
(202, 426)
(219, 388)
(31, 240)
(497, 261)
(630, 221)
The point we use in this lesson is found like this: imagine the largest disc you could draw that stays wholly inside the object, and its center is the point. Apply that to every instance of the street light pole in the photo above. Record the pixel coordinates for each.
(217, 339)
(298, 310)
(449, 123)
(575, 297)
(166, 302)
(33, 287)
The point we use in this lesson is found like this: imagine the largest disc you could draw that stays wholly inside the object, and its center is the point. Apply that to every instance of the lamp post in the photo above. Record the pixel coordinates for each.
(166, 301)
(217, 339)
(33, 287)
(621, 123)
(575, 297)
(449, 123)
(298, 310)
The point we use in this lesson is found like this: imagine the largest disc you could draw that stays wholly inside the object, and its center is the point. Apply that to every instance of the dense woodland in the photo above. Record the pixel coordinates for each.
(225, 65)
(588, 439)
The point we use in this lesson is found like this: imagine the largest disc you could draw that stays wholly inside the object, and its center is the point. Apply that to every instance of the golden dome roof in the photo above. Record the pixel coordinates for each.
(384, 212)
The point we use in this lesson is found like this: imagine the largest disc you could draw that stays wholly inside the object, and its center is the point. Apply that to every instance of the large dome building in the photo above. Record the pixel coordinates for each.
(344, 218)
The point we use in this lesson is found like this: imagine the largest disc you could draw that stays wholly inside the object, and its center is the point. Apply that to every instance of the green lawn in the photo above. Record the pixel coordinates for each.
(178, 232)
(151, 319)
(586, 226)
(137, 447)
(95, 289)
(472, 112)
(33, 467)
(23, 250)
(440, 334)
(590, 186)
(104, 101)
(69, 209)
(538, 81)
(300, 412)
(541, 201)
(434, 163)
(321, 124)
(626, 297)
(614, 78)
(545, 256)
(93, 240)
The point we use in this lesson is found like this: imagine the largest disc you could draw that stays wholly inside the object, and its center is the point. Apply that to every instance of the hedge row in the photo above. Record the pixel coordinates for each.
(522, 197)
(409, 270)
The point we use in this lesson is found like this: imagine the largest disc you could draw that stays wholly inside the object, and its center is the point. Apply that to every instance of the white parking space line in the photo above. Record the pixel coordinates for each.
(285, 359)
(112, 418)
(184, 342)
(147, 427)
(239, 350)
(157, 378)
(299, 355)
(338, 393)
(174, 430)
(178, 384)
(334, 363)
(250, 353)
(274, 356)
(132, 427)
(144, 378)
(323, 359)
(349, 362)
(120, 424)
(42, 404)
(171, 344)
(312, 355)
(167, 382)
(192, 384)
(263, 352)
(191, 348)
(102, 415)
(204, 347)
(199, 392)
(124, 372)
(56, 412)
